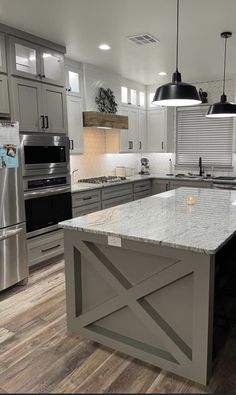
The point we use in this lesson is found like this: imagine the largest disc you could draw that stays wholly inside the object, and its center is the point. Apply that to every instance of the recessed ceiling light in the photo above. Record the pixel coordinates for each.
(104, 47)
(162, 73)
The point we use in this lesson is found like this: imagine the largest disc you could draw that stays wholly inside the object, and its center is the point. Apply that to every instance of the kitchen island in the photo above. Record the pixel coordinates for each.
(140, 276)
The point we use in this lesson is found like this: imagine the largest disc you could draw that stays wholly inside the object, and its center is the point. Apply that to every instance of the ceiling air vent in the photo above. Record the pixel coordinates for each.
(144, 38)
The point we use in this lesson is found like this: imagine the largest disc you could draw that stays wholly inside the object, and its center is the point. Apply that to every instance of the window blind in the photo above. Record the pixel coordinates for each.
(210, 138)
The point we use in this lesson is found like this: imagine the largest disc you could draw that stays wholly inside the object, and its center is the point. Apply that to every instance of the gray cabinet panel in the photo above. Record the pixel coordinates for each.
(27, 104)
(142, 194)
(159, 186)
(116, 201)
(45, 247)
(75, 123)
(142, 186)
(54, 109)
(118, 190)
(85, 198)
(189, 184)
(87, 209)
(4, 95)
(3, 63)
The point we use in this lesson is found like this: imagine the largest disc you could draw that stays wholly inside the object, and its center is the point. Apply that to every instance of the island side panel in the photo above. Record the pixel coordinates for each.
(152, 302)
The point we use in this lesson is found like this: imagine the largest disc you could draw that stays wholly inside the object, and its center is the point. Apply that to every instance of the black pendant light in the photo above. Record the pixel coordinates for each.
(176, 93)
(223, 108)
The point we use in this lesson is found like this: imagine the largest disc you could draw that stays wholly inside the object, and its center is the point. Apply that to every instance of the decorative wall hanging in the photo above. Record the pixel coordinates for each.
(106, 101)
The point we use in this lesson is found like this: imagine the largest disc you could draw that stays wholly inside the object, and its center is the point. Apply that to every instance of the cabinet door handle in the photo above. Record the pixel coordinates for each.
(140, 145)
(51, 248)
(46, 121)
(71, 145)
(162, 145)
(43, 76)
(42, 121)
(39, 75)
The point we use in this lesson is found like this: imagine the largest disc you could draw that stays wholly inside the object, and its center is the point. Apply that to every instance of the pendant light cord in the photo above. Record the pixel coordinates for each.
(177, 36)
(224, 65)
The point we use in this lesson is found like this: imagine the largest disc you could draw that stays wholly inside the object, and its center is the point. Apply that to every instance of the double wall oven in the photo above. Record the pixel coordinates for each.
(46, 178)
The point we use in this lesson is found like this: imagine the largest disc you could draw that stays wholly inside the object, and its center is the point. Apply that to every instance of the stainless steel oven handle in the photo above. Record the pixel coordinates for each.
(10, 233)
(46, 192)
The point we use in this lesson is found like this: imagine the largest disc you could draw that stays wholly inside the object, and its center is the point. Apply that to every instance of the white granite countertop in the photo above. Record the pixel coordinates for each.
(167, 219)
(82, 186)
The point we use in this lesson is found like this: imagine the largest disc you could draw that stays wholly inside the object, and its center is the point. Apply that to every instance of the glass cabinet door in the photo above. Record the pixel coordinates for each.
(3, 66)
(73, 82)
(52, 66)
(24, 58)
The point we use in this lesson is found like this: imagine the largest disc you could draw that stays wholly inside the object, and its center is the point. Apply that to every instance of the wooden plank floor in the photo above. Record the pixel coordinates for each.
(37, 355)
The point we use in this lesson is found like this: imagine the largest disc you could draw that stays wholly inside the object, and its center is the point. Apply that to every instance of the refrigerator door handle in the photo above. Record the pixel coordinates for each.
(10, 233)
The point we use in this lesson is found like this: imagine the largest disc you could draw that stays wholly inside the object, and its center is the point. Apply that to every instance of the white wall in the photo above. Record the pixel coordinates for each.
(95, 78)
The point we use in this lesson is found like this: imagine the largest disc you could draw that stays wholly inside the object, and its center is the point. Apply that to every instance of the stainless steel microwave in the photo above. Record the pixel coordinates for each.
(44, 154)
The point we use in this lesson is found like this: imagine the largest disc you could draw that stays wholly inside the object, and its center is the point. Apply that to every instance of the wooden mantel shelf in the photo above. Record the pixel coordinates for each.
(94, 119)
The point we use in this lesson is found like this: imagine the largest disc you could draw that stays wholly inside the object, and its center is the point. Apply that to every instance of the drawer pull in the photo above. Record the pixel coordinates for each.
(51, 248)
(87, 198)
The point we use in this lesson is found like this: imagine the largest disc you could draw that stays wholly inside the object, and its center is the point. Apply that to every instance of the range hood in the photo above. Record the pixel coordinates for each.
(102, 120)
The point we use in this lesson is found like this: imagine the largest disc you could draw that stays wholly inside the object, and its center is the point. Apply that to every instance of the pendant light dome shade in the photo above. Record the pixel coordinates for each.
(223, 108)
(176, 93)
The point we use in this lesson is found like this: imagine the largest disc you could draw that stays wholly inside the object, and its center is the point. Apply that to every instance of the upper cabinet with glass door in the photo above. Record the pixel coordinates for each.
(73, 76)
(3, 64)
(32, 61)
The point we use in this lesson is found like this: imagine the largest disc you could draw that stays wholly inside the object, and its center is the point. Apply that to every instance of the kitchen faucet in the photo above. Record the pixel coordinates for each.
(201, 169)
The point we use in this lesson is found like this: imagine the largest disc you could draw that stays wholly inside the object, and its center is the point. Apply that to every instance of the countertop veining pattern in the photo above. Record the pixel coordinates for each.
(167, 219)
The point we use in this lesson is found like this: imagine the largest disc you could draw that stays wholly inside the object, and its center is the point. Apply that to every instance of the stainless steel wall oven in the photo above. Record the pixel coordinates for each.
(47, 191)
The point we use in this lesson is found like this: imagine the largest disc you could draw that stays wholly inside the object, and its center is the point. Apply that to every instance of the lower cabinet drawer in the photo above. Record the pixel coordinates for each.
(142, 186)
(85, 197)
(142, 194)
(117, 190)
(44, 247)
(83, 210)
(116, 201)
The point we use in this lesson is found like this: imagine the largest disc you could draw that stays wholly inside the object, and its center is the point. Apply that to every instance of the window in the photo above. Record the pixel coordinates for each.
(151, 96)
(210, 138)
(124, 94)
(133, 96)
(142, 99)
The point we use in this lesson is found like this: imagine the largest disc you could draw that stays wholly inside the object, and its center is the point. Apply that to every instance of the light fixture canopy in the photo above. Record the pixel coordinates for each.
(223, 108)
(176, 93)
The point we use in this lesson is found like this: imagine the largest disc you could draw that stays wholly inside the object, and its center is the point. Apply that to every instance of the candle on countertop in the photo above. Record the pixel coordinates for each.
(191, 199)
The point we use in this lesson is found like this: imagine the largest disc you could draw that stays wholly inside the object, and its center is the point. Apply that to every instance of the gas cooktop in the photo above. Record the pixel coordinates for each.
(103, 180)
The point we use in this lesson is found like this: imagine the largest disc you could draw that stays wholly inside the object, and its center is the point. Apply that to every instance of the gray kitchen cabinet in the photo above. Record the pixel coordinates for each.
(75, 124)
(44, 247)
(190, 184)
(129, 139)
(142, 194)
(4, 95)
(159, 186)
(24, 58)
(142, 189)
(3, 63)
(52, 67)
(86, 202)
(54, 109)
(27, 104)
(116, 201)
(142, 130)
(32, 61)
(117, 190)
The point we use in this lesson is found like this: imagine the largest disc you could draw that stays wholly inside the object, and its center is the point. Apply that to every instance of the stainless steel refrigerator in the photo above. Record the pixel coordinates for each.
(13, 248)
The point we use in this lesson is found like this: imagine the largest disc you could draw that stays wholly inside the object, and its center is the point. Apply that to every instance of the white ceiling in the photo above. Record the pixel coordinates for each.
(81, 25)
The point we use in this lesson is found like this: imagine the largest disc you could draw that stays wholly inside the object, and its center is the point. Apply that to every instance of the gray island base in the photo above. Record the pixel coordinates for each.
(140, 277)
